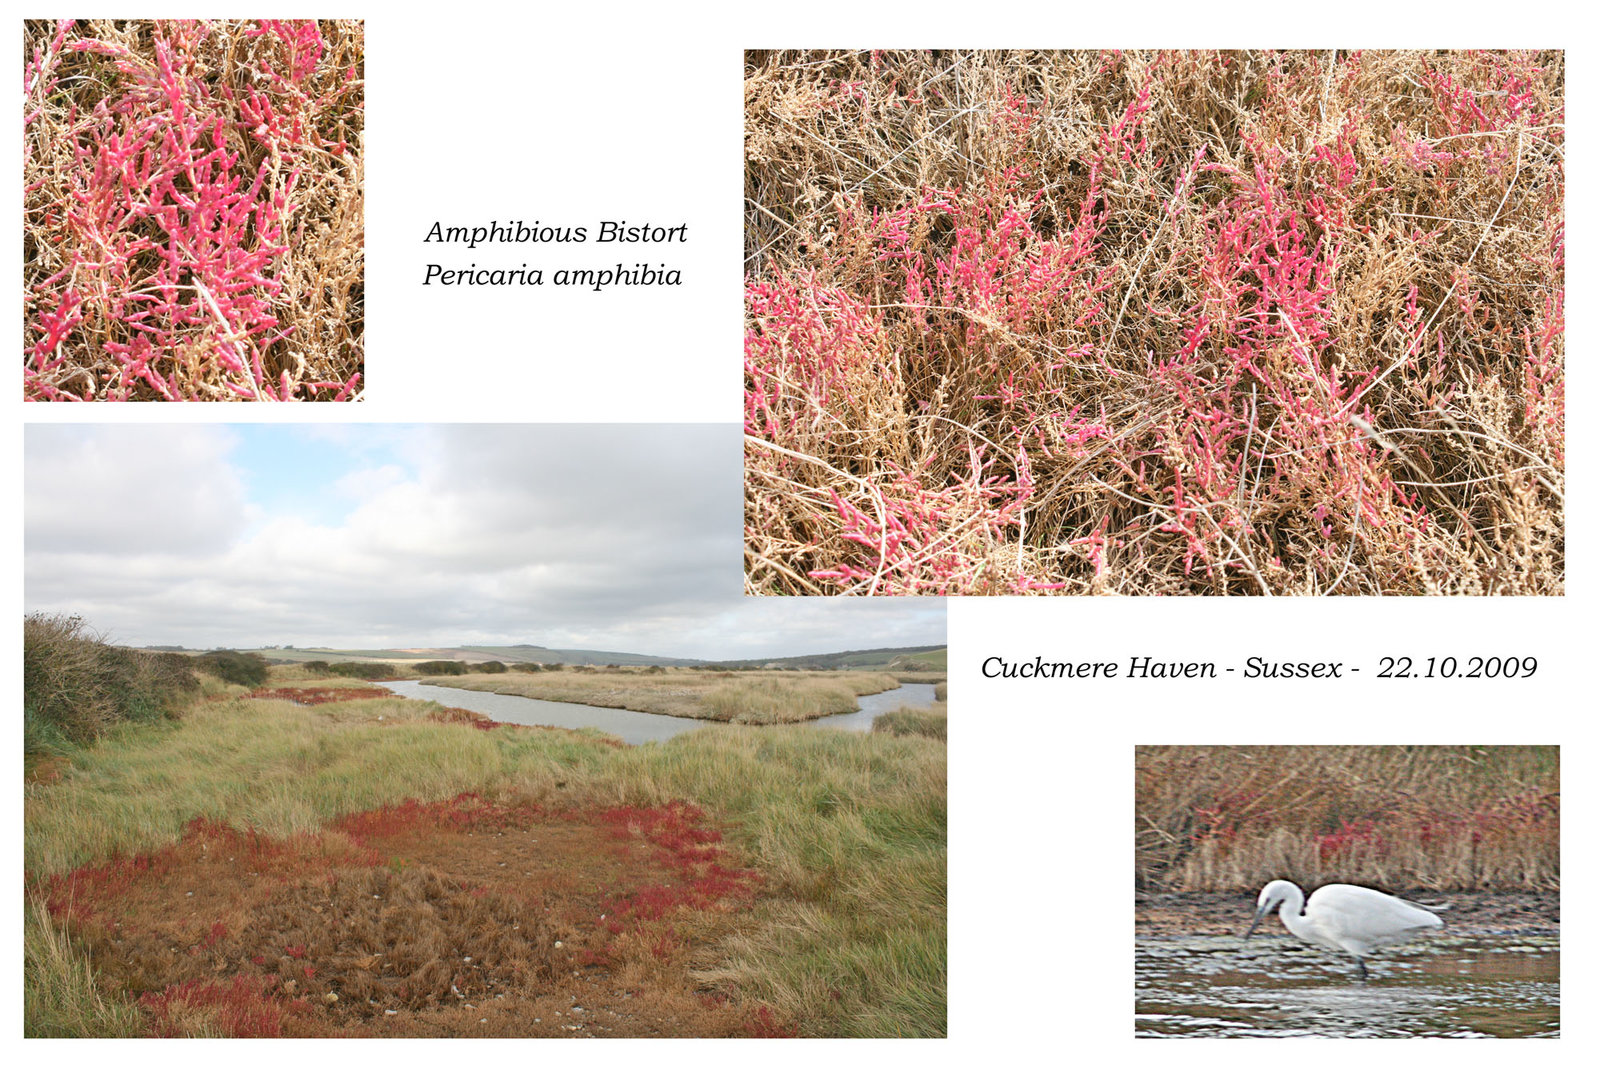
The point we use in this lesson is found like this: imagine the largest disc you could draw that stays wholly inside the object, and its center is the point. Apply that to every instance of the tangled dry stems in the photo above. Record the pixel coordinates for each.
(1155, 323)
(1444, 816)
(193, 210)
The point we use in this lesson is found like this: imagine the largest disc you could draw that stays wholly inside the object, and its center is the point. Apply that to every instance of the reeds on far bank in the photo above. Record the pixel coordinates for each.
(1439, 817)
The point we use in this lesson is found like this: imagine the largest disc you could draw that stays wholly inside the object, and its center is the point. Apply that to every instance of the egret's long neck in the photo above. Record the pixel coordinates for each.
(1289, 912)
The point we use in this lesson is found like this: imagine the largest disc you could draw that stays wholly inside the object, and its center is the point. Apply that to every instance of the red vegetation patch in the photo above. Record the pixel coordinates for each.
(185, 181)
(476, 720)
(465, 811)
(691, 849)
(464, 917)
(763, 1023)
(238, 1008)
(214, 854)
(1313, 346)
(319, 694)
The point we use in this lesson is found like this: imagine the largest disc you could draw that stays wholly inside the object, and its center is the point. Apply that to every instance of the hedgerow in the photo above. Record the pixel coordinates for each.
(75, 686)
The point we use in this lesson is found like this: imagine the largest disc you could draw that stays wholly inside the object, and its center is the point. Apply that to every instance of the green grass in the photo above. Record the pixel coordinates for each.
(59, 994)
(913, 722)
(848, 829)
(273, 766)
(937, 660)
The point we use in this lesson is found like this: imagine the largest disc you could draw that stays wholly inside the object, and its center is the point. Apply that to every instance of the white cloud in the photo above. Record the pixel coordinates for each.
(618, 537)
(125, 491)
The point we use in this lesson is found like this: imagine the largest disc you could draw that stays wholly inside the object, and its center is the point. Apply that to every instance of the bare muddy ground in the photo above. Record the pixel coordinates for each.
(1186, 914)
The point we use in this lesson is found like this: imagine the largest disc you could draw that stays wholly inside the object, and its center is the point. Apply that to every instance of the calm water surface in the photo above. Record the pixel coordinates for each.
(1488, 986)
(635, 727)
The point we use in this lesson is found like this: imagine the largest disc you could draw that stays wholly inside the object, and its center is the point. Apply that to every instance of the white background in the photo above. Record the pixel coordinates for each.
(573, 113)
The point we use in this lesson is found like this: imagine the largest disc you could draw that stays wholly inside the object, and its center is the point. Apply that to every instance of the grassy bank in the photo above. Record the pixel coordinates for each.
(913, 722)
(847, 831)
(1440, 817)
(747, 697)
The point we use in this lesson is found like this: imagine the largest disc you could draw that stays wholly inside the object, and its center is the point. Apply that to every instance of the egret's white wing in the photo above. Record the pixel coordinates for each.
(1360, 919)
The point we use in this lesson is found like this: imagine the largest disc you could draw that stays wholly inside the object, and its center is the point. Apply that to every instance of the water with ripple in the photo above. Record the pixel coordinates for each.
(1480, 986)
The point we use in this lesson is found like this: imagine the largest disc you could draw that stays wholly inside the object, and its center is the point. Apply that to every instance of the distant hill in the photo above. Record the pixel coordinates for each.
(914, 658)
(474, 654)
(920, 657)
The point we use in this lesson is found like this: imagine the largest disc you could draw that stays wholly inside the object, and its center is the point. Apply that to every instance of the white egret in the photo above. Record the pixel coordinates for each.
(1345, 918)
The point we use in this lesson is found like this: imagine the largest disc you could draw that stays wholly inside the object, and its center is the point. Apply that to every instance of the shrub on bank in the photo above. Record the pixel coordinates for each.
(368, 671)
(240, 668)
(75, 686)
(441, 666)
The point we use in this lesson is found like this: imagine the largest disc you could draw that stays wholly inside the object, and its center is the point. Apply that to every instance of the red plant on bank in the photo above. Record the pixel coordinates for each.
(164, 198)
(242, 1007)
(312, 696)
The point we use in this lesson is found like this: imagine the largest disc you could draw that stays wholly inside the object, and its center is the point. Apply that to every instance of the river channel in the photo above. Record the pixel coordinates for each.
(636, 727)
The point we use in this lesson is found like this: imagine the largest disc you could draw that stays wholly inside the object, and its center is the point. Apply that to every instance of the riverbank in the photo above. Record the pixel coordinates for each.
(755, 698)
(1468, 913)
(295, 869)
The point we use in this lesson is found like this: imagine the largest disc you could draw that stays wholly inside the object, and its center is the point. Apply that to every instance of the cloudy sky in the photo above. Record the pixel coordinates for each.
(621, 538)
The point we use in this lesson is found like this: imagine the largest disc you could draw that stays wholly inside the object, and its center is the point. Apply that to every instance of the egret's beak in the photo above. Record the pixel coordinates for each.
(1260, 914)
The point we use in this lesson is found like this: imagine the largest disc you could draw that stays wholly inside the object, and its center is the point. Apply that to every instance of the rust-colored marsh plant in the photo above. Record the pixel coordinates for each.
(1260, 323)
(192, 199)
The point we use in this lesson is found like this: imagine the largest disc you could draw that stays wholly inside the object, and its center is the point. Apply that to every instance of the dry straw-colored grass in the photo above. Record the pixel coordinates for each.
(1155, 323)
(193, 216)
(1435, 816)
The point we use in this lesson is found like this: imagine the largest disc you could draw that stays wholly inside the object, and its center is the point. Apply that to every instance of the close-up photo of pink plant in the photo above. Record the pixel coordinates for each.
(192, 210)
(1154, 322)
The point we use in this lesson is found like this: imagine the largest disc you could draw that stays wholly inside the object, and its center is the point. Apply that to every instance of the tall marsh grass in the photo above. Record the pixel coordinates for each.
(1439, 817)
(920, 722)
(60, 998)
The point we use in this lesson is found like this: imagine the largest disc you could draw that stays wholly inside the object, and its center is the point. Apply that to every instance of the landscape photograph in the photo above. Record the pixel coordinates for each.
(1200, 322)
(457, 731)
